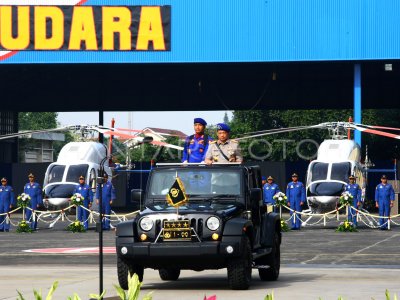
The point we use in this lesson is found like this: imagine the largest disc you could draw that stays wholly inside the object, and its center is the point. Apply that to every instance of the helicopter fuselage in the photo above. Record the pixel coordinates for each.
(328, 175)
(75, 159)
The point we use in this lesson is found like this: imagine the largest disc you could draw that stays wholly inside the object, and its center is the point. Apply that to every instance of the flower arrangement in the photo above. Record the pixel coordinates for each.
(284, 226)
(23, 226)
(346, 199)
(77, 199)
(23, 200)
(346, 226)
(280, 199)
(76, 226)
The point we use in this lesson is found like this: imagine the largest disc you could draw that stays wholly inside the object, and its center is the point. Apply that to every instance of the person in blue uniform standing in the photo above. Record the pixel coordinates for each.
(296, 194)
(6, 201)
(384, 199)
(270, 189)
(87, 194)
(196, 145)
(108, 196)
(354, 189)
(34, 191)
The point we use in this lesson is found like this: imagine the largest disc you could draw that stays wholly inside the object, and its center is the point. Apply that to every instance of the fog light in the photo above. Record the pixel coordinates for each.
(215, 236)
(143, 237)
(229, 249)
(124, 250)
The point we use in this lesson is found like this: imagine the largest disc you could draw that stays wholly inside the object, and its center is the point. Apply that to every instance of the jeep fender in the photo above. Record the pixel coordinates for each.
(237, 227)
(126, 229)
(271, 225)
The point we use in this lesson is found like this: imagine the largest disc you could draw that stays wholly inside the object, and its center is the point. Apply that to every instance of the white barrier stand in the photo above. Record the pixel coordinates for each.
(337, 214)
(294, 217)
(324, 220)
(388, 223)
(62, 215)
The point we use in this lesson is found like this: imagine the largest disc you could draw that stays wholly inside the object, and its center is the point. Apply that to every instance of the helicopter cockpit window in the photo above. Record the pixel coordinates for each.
(55, 174)
(341, 171)
(75, 171)
(319, 171)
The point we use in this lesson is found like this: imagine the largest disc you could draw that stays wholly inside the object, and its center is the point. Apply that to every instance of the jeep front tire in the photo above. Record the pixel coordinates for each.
(124, 270)
(239, 269)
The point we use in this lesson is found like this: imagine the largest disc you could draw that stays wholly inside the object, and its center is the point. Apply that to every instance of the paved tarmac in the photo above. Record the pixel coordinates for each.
(316, 262)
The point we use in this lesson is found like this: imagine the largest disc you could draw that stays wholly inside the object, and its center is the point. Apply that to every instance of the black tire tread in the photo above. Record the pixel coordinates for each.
(239, 269)
(169, 274)
(273, 260)
(124, 269)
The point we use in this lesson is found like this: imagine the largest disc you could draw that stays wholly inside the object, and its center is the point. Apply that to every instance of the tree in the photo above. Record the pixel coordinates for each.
(37, 120)
(226, 118)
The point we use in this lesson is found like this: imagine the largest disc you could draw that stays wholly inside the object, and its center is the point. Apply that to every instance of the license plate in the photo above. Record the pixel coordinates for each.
(177, 230)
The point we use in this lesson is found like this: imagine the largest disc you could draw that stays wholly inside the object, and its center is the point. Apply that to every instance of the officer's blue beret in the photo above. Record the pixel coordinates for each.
(263, 178)
(200, 121)
(223, 126)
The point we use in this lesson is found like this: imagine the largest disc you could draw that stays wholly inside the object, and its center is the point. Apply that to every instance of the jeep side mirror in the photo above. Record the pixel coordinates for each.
(137, 195)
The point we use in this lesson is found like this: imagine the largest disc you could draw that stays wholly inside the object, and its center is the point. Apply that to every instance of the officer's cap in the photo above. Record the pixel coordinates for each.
(31, 175)
(383, 177)
(223, 126)
(295, 175)
(81, 177)
(351, 177)
(105, 175)
(270, 178)
(3, 179)
(200, 121)
(263, 178)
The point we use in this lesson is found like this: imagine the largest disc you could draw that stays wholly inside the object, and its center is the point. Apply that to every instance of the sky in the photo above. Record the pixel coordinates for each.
(182, 120)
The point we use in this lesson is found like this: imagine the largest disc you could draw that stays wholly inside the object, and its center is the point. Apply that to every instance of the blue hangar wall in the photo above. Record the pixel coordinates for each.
(210, 31)
(174, 55)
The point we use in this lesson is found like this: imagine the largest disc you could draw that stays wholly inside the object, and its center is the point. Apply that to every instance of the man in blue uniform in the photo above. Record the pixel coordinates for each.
(296, 194)
(6, 201)
(354, 189)
(270, 189)
(87, 194)
(34, 190)
(384, 199)
(196, 145)
(108, 196)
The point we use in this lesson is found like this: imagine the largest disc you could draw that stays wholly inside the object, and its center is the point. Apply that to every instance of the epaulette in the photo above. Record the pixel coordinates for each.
(212, 142)
(234, 141)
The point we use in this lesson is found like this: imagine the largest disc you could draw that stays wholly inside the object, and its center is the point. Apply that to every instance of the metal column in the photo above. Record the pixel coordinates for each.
(357, 101)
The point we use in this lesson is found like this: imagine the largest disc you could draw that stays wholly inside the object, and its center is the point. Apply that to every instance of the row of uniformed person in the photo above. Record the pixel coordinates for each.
(296, 196)
(295, 193)
(34, 190)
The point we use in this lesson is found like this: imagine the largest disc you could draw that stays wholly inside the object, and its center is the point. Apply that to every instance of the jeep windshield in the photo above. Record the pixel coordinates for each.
(205, 183)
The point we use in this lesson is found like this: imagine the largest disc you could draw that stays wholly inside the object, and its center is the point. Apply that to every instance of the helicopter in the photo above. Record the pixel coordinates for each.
(337, 159)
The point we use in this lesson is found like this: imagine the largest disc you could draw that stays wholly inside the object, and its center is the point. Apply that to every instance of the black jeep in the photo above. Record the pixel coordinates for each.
(223, 225)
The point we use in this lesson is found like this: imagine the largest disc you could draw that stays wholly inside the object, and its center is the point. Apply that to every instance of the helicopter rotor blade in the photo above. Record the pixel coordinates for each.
(376, 132)
(378, 127)
(278, 131)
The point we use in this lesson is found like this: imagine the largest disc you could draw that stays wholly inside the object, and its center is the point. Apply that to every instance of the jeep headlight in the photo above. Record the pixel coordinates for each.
(213, 223)
(146, 224)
